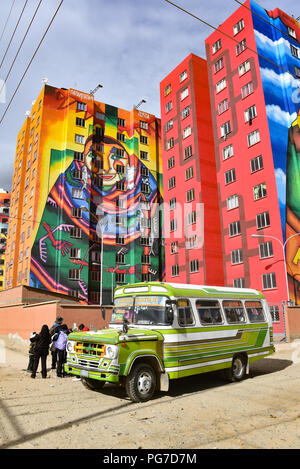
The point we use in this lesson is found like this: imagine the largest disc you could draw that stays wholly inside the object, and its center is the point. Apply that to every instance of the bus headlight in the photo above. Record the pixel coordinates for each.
(112, 351)
(70, 346)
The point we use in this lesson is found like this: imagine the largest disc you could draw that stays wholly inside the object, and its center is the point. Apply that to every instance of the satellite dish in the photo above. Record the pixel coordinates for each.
(27, 113)
(45, 80)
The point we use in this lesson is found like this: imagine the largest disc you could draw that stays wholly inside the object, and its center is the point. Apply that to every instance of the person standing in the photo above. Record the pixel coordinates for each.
(55, 329)
(43, 340)
(60, 342)
(31, 351)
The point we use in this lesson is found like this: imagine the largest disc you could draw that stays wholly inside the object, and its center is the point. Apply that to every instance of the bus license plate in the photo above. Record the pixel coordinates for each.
(84, 373)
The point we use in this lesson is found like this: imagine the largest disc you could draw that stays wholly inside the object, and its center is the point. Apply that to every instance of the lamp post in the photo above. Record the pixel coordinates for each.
(283, 245)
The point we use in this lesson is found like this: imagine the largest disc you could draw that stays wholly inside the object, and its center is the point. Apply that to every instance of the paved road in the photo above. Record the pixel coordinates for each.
(263, 411)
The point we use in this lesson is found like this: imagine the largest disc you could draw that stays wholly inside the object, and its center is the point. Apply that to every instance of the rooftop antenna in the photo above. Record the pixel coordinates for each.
(27, 113)
(96, 89)
(139, 104)
(45, 80)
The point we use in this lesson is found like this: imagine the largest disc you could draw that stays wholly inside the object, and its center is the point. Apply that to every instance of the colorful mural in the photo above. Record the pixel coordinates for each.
(98, 187)
(278, 40)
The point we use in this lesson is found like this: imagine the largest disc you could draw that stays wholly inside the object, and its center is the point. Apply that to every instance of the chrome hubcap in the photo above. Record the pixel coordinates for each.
(144, 382)
(238, 367)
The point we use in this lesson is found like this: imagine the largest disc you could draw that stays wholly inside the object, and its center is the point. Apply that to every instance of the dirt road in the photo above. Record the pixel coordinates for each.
(262, 411)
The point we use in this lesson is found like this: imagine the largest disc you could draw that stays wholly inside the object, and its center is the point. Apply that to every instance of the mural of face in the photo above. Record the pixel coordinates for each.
(114, 155)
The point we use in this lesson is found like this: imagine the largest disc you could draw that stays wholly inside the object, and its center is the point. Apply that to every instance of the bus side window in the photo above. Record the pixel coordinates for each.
(234, 311)
(209, 312)
(185, 314)
(255, 311)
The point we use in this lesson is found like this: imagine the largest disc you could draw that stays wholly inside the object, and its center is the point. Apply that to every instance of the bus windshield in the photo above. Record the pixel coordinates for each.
(142, 310)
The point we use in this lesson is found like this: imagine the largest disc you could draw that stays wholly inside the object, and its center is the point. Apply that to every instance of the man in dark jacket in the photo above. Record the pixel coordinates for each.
(43, 340)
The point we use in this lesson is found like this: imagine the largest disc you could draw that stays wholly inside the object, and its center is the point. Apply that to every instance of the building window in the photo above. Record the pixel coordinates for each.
(223, 106)
(216, 46)
(74, 253)
(183, 76)
(172, 203)
(188, 151)
(225, 129)
(100, 116)
(190, 195)
(120, 239)
(269, 281)
(75, 232)
(120, 185)
(76, 212)
(239, 282)
(221, 85)
(145, 189)
(191, 242)
(238, 27)
(234, 228)
(175, 270)
(168, 106)
(173, 225)
(219, 65)
(187, 131)
(295, 51)
(256, 164)
(144, 241)
(232, 201)
(172, 182)
(120, 137)
(144, 139)
(227, 151)
(121, 122)
(120, 278)
(144, 171)
(189, 173)
(184, 93)
(291, 32)
(78, 156)
(266, 250)
(194, 266)
(79, 139)
(77, 193)
(120, 169)
(253, 138)
(192, 217)
(74, 274)
(230, 176)
(241, 47)
(144, 155)
(244, 67)
(297, 71)
(80, 122)
(274, 310)
(247, 90)
(185, 112)
(144, 125)
(171, 162)
(77, 174)
(250, 113)
(237, 256)
(81, 106)
(169, 125)
(168, 89)
(262, 220)
(174, 247)
(260, 191)
(170, 143)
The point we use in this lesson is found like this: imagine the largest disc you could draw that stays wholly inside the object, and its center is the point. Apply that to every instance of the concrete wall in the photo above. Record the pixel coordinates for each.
(292, 320)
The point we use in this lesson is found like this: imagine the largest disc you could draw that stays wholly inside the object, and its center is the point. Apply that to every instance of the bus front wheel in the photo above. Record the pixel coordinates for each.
(141, 383)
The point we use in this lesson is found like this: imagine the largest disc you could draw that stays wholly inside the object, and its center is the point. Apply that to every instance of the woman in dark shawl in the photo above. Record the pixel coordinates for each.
(43, 340)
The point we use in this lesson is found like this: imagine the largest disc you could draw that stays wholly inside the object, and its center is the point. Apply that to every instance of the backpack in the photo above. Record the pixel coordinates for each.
(61, 341)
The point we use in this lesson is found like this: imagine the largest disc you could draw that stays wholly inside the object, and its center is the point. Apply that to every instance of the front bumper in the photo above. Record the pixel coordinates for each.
(85, 372)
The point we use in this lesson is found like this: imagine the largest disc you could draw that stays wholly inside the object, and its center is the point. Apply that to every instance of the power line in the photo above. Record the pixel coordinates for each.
(13, 34)
(30, 62)
(21, 44)
(7, 19)
(230, 37)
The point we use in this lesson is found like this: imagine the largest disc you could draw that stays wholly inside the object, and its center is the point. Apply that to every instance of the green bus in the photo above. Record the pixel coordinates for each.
(161, 331)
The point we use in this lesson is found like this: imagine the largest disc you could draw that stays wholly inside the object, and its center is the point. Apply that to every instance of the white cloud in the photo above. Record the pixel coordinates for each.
(279, 79)
(281, 184)
(276, 114)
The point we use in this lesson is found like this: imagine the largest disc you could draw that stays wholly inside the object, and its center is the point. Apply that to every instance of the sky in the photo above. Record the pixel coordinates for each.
(127, 46)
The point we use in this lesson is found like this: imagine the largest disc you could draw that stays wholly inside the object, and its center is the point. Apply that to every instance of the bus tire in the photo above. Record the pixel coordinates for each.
(140, 384)
(92, 384)
(237, 371)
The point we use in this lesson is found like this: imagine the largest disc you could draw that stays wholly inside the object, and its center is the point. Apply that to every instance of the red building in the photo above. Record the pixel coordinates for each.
(193, 246)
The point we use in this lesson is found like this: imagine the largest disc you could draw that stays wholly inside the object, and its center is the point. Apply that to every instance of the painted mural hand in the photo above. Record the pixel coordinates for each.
(62, 246)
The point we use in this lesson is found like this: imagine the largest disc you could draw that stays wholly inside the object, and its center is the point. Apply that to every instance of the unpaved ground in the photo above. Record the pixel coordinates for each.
(263, 411)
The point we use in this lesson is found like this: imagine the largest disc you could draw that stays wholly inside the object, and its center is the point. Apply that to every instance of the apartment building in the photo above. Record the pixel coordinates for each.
(252, 70)
(193, 246)
(86, 191)
(4, 217)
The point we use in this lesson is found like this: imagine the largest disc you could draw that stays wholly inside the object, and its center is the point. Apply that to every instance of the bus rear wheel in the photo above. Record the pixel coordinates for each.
(237, 372)
(141, 383)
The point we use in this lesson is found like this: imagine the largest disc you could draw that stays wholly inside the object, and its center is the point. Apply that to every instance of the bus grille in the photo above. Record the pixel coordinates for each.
(87, 348)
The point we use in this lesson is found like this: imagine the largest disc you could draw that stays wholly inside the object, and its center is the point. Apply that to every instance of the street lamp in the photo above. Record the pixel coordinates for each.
(283, 245)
